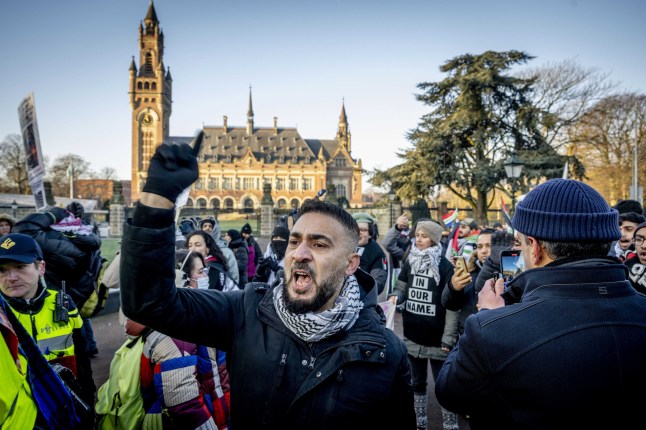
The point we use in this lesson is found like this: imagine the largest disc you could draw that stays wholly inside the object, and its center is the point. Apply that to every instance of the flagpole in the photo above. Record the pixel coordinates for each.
(72, 182)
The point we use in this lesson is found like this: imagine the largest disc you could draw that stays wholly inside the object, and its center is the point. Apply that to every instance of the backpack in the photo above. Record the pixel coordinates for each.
(120, 404)
(98, 293)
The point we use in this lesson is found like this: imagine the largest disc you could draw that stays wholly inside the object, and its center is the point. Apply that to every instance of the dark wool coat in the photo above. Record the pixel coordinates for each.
(358, 378)
(569, 355)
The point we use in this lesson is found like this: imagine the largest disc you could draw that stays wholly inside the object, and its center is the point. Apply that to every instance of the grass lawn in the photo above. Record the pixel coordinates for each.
(109, 247)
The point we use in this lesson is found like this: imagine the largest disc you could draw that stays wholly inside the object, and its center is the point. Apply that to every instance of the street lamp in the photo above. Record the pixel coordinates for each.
(14, 207)
(391, 199)
(513, 167)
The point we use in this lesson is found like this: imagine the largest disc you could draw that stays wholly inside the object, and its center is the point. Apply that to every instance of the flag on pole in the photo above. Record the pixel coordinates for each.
(566, 170)
(449, 218)
(505, 213)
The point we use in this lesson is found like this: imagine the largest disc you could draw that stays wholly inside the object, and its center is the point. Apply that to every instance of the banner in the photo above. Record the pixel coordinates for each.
(31, 143)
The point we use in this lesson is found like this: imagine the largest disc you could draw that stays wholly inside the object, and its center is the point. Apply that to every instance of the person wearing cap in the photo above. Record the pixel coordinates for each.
(637, 263)
(212, 227)
(624, 248)
(272, 260)
(373, 258)
(430, 331)
(56, 331)
(311, 352)
(6, 224)
(239, 247)
(254, 250)
(562, 345)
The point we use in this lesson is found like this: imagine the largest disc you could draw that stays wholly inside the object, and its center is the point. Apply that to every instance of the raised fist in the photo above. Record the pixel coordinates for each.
(173, 168)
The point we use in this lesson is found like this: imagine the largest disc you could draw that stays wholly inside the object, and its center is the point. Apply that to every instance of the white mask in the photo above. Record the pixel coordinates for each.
(203, 283)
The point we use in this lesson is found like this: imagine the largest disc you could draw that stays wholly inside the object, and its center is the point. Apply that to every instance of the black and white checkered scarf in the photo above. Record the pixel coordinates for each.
(421, 260)
(312, 327)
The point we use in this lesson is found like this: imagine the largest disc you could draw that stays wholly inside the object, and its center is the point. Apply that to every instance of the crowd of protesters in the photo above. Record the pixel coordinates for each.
(294, 336)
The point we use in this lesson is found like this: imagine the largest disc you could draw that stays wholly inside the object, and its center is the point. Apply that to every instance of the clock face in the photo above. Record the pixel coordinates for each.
(147, 119)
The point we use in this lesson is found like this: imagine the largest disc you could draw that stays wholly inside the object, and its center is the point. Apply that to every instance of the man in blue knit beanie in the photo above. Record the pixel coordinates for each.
(562, 345)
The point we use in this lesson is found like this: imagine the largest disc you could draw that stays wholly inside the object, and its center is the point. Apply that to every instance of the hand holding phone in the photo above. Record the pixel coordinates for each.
(460, 264)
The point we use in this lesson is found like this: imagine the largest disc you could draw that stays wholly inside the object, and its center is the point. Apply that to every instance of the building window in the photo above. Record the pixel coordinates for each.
(340, 191)
(339, 162)
(227, 184)
(228, 204)
(293, 184)
(237, 184)
(282, 203)
(268, 158)
(280, 183)
(248, 183)
(214, 183)
(307, 184)
(295, 159)
(201, 203)
(248, 205)
(199, 184)
(215, 203)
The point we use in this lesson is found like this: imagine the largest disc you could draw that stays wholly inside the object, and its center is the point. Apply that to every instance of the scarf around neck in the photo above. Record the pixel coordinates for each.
(313, 327)
(421, 260)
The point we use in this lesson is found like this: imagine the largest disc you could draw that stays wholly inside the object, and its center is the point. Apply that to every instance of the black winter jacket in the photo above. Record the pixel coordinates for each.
(569, 355)
(67, 258)
(358, 378)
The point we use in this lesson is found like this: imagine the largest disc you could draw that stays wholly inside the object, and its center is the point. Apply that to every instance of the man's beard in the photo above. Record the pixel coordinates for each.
(324, 290)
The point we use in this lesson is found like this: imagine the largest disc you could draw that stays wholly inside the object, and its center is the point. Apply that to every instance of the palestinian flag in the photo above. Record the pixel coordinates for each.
(449, 218)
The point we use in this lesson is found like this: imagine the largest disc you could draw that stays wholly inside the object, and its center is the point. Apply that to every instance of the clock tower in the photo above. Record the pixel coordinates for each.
(150, 95)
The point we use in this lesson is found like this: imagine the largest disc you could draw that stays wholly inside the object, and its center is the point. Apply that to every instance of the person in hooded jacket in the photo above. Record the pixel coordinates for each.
(311, 352)
(272, 261)
(212, 227)
(239, 247)
(254, 250)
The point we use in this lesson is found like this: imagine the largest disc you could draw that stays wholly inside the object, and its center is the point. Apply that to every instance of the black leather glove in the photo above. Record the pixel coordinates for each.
(173, 168)
(58, 213)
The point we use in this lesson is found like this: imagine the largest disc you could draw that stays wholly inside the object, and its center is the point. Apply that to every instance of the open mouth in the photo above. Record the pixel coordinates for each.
(302, 280)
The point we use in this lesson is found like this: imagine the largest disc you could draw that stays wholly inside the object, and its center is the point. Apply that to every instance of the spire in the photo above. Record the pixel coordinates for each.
(133, 66)
(343, 118)
(343, 135)
(151, 15)
(168, 76)
(250, 115)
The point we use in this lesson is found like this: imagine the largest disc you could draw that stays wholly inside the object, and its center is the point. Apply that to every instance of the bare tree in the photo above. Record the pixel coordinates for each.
(58, 173)
(605, 139)
(13, 170)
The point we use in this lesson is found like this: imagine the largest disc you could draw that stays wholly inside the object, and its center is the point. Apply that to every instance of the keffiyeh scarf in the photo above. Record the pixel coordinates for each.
(312, 327)
(429, 258)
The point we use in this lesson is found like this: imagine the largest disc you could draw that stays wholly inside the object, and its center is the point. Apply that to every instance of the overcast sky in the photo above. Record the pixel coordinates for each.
(302, 58)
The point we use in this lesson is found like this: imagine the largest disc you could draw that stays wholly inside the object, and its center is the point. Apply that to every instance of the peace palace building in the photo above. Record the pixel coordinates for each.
(235, 162)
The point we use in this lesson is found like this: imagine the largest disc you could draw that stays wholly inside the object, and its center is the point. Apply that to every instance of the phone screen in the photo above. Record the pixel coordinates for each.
(512, 264)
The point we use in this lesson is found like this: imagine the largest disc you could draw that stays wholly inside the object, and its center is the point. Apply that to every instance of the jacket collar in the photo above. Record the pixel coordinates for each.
(580, 277)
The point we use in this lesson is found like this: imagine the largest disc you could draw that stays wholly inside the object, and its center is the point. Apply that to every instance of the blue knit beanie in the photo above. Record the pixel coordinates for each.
(566, 210)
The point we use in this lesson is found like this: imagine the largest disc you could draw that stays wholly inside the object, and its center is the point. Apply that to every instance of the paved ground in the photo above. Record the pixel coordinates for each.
(110, 336)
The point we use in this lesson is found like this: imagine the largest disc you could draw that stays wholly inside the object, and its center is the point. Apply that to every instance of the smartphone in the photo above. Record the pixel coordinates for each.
(461, 264)
(511, 264)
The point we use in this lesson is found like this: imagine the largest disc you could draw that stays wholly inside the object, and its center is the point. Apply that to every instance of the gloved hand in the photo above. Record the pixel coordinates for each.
(273, 264)
(173, 168)
(58, 213)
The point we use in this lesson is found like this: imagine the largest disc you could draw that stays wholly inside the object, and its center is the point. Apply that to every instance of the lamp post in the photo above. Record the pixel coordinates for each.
(513, 167)
(14, 207)
(391, 199)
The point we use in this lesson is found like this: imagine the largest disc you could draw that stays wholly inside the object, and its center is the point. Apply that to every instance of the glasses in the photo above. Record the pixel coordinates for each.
(638, 240)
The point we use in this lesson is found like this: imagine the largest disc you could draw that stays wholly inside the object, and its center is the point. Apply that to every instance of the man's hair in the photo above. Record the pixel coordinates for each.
(556, 250)
(487, 231)
(625, 206)
(210, 243)
(631, 217)
(336, 212)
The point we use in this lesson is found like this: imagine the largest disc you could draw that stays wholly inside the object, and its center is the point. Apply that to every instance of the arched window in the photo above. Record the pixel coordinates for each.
(248, 205)
(228, 204)
(140, 85)
(294, 203)
(340, 191)
(215, 203)
(189, 203)
(149, 62)
(201, 203)
(339, 162)
(282, 203)
(154, 86)
(147, 86)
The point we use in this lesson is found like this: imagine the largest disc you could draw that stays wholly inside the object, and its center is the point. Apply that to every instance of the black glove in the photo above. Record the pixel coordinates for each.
(58, 213)
(173, 168)
(273, 264)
